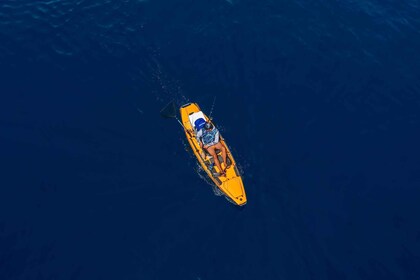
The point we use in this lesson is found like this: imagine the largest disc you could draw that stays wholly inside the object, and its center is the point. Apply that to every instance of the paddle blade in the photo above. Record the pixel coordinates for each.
(169, 111)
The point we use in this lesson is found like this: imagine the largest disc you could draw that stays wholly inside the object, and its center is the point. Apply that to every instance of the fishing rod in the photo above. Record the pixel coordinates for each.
(212, 107)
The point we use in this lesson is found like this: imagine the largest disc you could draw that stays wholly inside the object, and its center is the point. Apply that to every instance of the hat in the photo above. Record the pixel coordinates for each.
(199, 123)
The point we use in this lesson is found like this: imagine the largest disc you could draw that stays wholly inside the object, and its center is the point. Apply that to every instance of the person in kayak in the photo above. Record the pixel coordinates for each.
(208, 136)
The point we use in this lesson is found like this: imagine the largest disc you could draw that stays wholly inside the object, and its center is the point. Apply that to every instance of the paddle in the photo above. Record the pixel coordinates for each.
(169, 112)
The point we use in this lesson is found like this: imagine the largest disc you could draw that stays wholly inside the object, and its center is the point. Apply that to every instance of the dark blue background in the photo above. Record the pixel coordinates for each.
(319, 101)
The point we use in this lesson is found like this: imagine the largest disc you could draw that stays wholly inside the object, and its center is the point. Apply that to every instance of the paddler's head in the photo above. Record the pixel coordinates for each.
(208, 126)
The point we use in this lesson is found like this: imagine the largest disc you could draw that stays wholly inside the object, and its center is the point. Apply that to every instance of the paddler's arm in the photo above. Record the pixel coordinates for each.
(217, 136)
(198, 137)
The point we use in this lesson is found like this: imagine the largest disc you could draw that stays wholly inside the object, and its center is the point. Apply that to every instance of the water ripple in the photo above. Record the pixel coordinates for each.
(68, 27)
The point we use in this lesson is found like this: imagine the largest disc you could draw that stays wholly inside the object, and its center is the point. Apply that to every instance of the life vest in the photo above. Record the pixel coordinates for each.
(209, 137)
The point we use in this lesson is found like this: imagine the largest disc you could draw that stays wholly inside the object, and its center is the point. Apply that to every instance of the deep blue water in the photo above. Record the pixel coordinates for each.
(319, 101)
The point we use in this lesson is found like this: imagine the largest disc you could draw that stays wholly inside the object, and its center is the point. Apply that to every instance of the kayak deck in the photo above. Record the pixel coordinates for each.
(231, 184)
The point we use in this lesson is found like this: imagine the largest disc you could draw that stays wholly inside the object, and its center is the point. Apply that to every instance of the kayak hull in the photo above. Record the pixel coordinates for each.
(231, 184)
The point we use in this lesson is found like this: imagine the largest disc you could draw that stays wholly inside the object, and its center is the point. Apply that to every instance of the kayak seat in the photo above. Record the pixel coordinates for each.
(195, 116)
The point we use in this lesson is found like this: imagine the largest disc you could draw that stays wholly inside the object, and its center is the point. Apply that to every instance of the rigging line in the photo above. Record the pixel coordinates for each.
(212, 107)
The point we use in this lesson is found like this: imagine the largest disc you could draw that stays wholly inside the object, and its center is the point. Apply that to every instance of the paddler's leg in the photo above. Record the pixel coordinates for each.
(223, 149)
(212, 152)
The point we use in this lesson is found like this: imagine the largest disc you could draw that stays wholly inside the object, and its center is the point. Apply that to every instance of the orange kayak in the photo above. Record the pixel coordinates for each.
(231, 184)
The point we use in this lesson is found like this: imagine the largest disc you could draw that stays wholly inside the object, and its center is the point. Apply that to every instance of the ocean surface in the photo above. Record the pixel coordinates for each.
(318, 100)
